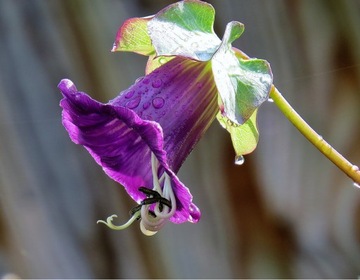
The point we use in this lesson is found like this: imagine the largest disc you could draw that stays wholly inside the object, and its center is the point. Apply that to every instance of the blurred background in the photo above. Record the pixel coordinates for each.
(286, 213)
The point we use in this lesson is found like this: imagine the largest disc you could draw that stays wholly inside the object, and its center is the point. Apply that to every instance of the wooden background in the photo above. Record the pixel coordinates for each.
(287, 212)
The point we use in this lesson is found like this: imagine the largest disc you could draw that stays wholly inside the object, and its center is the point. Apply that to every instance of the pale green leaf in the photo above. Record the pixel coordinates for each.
(185, 28)
(243, 84)
(244, 137)
(133, 36)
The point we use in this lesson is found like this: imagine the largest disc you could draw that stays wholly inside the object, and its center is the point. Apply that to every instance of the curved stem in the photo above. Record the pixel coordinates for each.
(342, 163)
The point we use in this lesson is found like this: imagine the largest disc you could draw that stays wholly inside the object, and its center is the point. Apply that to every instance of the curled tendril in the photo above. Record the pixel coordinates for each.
(109, 221)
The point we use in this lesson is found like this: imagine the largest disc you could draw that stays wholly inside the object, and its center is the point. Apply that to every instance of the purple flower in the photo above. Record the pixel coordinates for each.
(142, 137)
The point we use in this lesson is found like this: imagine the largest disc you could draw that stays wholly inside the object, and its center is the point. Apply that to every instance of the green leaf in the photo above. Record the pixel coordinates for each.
(243, 84)
(133, 36)
(185, 28)
(244, 137)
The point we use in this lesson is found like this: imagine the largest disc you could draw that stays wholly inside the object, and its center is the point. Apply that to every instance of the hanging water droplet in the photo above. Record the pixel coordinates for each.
(158, 102)
(356, 185)
(270, 100)
(129, 94)
(133, 103)
(239, 160)
(157, 83)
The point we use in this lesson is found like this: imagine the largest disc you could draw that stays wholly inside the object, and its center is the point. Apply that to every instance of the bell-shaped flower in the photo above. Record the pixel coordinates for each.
(142, 137)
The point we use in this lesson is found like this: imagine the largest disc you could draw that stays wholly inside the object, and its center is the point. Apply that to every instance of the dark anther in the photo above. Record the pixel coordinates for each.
(134, 210)
(152, 197)
(149, 192)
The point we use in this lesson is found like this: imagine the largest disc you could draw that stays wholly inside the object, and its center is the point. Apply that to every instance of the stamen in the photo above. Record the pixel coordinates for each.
(149, 222)
(152, 220)
(154, 169)
(168, 212)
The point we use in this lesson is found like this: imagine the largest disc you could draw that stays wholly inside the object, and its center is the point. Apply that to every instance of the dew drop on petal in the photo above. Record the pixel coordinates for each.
(129, 94)
(158, 102)
(133, 103)
(146, 105)
(157, 83)
(239, 160)
(356, 185)
(146, 80)
(139, 80)
(270, 100)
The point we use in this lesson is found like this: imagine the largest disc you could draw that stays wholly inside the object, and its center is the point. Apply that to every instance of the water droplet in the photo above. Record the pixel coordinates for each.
(356, 185)
(263, 80)
(320, 138)
(162, 60)
(194, 45)
(270, 100)
(158, 102)
(146, 105)
(157, 83)
(139, 80)
(239, 160)
(77, 96)
(355, 168)
(129, 94)
(133, 103)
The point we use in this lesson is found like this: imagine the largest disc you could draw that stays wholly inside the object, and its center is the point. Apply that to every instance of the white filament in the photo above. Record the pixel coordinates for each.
(148, 222)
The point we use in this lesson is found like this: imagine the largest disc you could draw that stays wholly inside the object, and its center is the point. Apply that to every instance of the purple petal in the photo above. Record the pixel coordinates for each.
(165, 113)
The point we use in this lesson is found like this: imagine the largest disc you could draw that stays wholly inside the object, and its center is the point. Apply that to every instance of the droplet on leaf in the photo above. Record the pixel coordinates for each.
(239, 160)
(195, 45)
(162, 60)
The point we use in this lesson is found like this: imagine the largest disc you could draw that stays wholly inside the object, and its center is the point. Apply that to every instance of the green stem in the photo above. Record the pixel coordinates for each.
(342, 163)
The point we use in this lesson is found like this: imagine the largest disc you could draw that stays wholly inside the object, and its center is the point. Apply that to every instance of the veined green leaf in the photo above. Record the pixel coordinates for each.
(185, 28)
(243, 84)
(133, 36)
